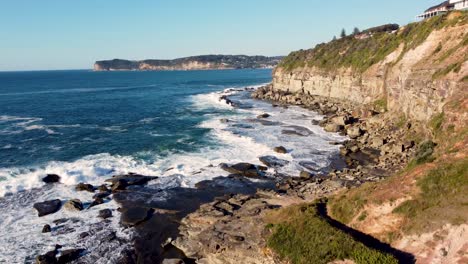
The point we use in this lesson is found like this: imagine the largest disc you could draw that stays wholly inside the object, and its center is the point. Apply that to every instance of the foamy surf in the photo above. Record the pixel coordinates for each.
(236, 134)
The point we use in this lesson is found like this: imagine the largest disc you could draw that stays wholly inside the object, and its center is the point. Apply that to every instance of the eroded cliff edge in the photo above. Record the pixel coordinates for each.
(411, 70)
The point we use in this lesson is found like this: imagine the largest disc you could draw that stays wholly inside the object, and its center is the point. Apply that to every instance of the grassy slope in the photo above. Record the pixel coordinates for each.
(436, 180)
(361, 54)
(300, 235)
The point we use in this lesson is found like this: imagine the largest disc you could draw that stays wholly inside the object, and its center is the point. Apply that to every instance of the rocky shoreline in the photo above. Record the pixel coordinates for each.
(222, 220)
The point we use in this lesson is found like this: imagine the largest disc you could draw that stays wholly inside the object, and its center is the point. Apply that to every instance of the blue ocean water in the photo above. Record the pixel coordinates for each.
(65, 115)
(88, 126)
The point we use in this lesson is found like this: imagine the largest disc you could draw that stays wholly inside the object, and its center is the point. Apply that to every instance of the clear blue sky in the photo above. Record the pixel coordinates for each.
(63, 34)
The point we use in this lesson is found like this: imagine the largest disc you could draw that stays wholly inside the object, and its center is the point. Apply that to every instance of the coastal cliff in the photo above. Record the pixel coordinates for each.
(206, 62)
(412, 70)
(413, 83)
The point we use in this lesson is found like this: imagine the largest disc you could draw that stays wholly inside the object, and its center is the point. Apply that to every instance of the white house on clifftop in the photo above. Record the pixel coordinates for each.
(444, 7)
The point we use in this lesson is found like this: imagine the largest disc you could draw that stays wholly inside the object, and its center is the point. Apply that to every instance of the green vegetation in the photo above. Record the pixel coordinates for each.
(437, 122)
(346, 206)
(381, 104)
(465, 78)
(455, 67)
(360, 54)
(424, 154)
(442, 199)
(301, 235)
(363, 216)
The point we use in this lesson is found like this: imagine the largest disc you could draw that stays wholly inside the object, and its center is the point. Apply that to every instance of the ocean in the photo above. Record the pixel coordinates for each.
(87, 126)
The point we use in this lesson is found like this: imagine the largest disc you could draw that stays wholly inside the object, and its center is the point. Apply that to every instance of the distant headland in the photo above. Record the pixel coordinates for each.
(204, 62)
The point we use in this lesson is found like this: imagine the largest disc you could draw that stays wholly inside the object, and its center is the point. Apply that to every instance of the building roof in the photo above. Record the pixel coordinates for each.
(441, 5)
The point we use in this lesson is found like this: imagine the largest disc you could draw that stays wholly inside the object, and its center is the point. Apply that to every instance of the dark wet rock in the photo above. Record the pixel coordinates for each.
(97, 201)
(309, 165)
(46, 229)
(133, 216)
(84, 187)
(265, 115)
(105, 213)
(48, 258)
(265, 122)
(119, 185)
(297, 131)
(103, 188)
(60, 221)
(121, 182)
(70, 255)
(47, 207)
(127, 256)
(102, 194)
(224, 120)
(272, 161)
(73, 205)
(315, 122)
(244, 169)
(84, 234)
(281, 150)
(51, 178)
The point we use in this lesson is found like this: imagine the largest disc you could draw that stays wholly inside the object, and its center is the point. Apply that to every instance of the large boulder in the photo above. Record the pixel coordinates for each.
(47, 207)
(341, 120)
(272, 161)
(354, 132)
(84, 187)
(46, 229)
(48, 258)
(333, 128)
(105, 213)
(73, 205)
(120, 182)
(265, 115)
(51, 178)
(281, 150)
(135, 215)
(97, 201)
(244, 169)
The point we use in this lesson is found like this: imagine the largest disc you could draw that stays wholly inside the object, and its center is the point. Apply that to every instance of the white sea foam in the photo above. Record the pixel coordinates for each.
(242, 139)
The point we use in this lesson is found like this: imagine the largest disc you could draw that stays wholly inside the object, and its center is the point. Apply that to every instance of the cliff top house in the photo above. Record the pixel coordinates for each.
(444, 7)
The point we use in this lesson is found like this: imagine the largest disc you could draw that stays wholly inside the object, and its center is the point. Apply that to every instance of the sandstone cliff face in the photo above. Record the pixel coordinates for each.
(412, 82)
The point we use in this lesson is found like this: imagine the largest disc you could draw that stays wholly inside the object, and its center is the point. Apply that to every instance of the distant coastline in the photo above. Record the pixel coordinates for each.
(204, 62)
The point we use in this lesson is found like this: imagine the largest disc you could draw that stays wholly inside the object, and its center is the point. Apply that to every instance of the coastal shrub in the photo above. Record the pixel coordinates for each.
(442, 199)
(436, 122)
(423, 153)
(360, 54)
(300, 235)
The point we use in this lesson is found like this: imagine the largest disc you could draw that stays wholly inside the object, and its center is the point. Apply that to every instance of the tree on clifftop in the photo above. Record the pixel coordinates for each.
(334, 38)
(356, 31)
(343, 33)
